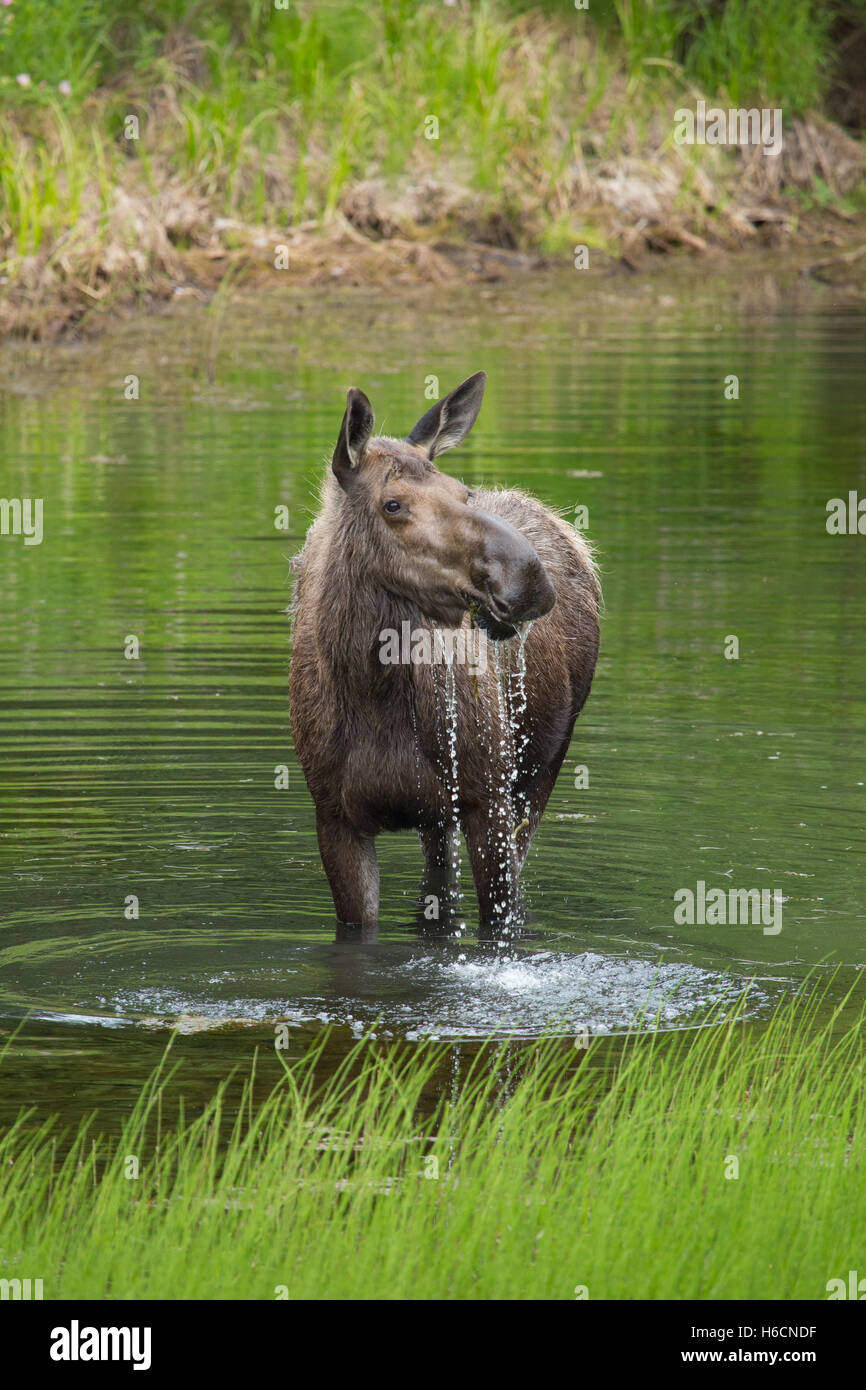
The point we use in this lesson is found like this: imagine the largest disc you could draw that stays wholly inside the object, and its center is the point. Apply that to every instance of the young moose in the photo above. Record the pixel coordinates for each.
(431, 745)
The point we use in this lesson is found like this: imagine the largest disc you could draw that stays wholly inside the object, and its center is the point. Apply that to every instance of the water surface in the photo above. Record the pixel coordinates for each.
(155, 777)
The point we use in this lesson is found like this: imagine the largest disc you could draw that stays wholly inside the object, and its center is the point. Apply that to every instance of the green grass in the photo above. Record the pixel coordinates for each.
(270, 117)
(780, 49)
(761, 49)
(608, 1169)
(777, 53)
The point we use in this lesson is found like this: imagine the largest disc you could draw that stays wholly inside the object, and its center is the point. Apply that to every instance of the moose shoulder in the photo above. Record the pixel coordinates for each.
(399, 547)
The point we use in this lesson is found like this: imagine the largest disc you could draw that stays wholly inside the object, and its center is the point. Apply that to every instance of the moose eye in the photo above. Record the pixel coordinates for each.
(392, 505)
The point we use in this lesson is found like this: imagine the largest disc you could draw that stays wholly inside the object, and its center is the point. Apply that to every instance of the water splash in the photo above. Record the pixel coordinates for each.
(471, 993)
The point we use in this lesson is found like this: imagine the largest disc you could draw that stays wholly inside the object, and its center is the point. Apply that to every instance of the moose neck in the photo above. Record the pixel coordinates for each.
(362, 614)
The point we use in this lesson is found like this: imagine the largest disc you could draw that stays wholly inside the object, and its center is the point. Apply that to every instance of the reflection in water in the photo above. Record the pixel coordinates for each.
(159, 779)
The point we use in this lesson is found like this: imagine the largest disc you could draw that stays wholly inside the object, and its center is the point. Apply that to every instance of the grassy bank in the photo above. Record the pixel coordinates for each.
(718, 1164)
(148, 150)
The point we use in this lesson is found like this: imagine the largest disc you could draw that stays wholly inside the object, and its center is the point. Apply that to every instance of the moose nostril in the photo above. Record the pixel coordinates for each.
(507, 570)
(480, 576)
(530, 595)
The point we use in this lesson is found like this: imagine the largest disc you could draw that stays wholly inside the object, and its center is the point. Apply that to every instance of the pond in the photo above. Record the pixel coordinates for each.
(158, 850)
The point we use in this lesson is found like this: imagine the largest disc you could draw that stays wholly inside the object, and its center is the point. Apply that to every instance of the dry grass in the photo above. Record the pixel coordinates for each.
(556, 144)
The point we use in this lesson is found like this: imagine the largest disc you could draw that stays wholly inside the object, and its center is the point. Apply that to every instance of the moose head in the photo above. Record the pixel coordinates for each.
(427, 537)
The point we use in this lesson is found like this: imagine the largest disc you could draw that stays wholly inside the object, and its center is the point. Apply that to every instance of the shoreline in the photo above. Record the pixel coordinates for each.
(337, 256)
(500, 145)
(197, 325)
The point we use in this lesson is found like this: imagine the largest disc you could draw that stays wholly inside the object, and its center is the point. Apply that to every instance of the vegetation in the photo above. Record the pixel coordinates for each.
(721, 1163)
(150, 146)
(775, 51)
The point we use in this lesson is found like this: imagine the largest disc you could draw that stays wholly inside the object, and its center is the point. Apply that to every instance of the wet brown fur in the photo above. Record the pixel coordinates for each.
(371, 738)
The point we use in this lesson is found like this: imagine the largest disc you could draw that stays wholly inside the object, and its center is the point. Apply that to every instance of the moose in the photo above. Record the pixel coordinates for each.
(434, 746)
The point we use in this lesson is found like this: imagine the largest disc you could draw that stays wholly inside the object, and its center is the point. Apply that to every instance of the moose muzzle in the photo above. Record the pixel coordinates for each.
(510, 584)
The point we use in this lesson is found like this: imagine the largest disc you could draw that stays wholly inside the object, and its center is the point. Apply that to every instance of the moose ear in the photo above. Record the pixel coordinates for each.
(449, 421)
(355, 430)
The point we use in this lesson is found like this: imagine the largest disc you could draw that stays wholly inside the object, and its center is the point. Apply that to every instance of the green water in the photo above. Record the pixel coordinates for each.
(155, 777)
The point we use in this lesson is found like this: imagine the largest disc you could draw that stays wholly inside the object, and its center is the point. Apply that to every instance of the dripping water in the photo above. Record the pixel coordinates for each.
(517, 701)
(450, 767)
(517, 704)
(506, 727)
(500, 833)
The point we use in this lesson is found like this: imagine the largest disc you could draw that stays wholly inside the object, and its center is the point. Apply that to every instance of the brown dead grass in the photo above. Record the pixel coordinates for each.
(155, 237)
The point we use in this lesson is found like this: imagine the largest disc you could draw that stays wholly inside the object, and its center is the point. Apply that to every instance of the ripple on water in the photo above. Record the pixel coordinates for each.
(474, 995)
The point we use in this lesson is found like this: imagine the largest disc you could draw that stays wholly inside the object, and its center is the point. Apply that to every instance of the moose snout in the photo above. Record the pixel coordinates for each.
(521, 592)
(509, 574)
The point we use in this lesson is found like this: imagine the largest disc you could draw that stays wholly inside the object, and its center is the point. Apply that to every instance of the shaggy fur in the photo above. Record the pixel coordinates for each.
(372, 738)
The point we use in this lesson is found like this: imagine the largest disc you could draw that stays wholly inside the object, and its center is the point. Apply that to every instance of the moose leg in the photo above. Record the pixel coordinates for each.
(530, 808)
(437, 893)
(353, 873)
(493, 856)
(531, 803)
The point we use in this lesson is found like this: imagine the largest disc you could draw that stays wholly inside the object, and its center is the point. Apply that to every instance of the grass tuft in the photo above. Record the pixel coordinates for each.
(719, 1163)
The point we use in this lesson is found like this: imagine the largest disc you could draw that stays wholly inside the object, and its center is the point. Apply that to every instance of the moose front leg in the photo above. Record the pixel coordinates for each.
(353, 873)
(493, 856)
(530, 808)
